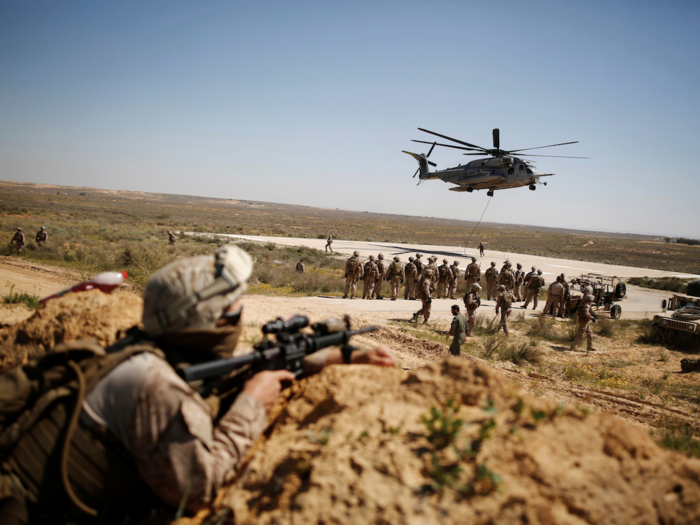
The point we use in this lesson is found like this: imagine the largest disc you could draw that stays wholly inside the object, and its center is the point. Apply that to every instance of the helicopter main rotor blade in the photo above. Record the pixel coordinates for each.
(416, 173)
(540, 147)
(496, 138)
(431, 150)
(475, 154)
(432, 164)
(558, 156)
(453, 140)
(446, 145)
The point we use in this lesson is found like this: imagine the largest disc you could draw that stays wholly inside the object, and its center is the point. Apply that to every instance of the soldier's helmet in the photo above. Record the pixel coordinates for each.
(381, 256)
(588, 298)
(493, 263)
(397, 259)
(558, 278)
(501, 287)
(43, 227)
(371, 257)
(476, 287)
(533, 268)
(193, 293)
(19, 229)
(539, 272)
(356, 254)
(563, 277)
(519, 266)
(444, 261)
(473, 259)
(456, 263)
(507, 262)
(418, 255)
(411, 259)
(428, 272)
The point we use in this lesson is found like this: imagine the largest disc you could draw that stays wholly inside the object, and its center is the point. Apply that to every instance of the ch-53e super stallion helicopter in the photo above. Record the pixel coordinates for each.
(500, 172)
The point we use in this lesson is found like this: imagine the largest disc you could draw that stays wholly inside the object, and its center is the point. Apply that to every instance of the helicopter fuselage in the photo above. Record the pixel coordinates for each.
(488, 174)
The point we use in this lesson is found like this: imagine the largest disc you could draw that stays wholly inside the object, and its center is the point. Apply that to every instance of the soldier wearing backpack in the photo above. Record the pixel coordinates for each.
(370, 274)
(453, 280)
(353, 272)
(504, 301)
(424, 292)
(443, 273)
(473, 274)
(94, 436)
(396, 276)
(411, 274)
(378, 285)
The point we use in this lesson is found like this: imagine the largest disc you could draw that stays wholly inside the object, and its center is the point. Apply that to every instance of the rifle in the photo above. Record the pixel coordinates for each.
(285, 352)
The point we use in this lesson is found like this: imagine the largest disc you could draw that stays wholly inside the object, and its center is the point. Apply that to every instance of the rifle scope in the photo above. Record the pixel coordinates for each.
(279, 326)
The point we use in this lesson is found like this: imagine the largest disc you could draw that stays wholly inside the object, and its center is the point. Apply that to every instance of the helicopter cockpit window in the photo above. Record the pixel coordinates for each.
(521, 167)
(529, 171)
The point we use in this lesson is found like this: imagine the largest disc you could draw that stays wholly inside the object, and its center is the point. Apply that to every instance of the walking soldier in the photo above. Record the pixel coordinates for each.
(353, 272)
(380, 279)
(503, 303)
(18, 239)
(491, 281)
(370, 278)
(395, 275)
(458, 331)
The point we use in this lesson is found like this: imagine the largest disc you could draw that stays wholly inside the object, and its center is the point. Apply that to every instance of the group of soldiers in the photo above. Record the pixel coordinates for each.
(427, 281)
(18, 239)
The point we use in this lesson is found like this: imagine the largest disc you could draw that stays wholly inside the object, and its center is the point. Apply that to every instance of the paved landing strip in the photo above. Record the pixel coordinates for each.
(640, 302)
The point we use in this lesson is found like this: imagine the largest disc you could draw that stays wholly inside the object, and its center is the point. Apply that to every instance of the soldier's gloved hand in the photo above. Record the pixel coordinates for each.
(429, 300)
(266, 386)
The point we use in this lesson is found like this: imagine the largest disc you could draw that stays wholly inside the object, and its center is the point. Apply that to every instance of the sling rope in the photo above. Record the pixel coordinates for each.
(477, 225)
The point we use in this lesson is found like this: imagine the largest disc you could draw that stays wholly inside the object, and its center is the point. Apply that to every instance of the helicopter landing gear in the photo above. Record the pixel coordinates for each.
(489, 193)
(470, 189)
(532, 187)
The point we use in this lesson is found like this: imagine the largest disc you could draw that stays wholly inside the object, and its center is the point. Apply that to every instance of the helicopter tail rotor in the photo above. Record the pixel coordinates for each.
(423, 164)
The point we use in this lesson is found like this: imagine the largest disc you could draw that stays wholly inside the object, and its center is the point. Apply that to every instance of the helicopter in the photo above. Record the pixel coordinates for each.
(502, 171)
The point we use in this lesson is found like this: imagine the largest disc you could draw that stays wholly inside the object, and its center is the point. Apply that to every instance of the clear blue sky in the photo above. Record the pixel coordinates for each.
(312, 102)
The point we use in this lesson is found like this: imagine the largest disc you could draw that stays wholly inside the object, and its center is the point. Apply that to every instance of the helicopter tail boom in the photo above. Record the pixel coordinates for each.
(423, 165)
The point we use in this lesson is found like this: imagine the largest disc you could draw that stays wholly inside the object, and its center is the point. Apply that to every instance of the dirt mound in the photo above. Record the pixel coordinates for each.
(69, 318)
(353, 445)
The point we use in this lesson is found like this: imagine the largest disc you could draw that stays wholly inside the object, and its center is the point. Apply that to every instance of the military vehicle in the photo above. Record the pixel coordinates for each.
(685, 319)
(505, 169)
(606, 292)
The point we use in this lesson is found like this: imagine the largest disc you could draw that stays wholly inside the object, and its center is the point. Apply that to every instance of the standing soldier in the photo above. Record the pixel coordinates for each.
(458, 330)
(519, 278)
(533, 289)
(491, 281)
(171, 238)
(370, 277)
(300, 266)
(18, 239)
(481, 249)
(527, 278)
(585, 316)
(471, 303)
(434, 269)
(564, 297)
(454, 280)
(42, 236)
(425, 289)
(329, 242)
(411, 275)
(473, 274)
(444, 272)
(419, 264)
(380, 279)
(353, 272)
(503, 303)
(395, 275)
(507, 278)
(554, 295)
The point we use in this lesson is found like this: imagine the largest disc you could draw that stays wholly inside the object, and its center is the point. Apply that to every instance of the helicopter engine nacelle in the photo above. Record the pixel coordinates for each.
(497, 163)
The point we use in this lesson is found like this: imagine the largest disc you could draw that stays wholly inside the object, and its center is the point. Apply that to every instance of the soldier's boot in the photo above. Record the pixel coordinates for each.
(414, 319)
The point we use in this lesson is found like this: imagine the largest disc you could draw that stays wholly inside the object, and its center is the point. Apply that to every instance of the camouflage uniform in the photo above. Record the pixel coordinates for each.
(171, 238)
(519, 278)
(353, 272)
(395, 275)
(328, 243)
(18, 239)
(300, 267)
(42, 236)
(371, 273)
(380, 279)
(507, 278)
(444, 272)
(564, 297)
(491, 281)
(419, 264)
(528, 276)
(585, 316)
(453, 279)
(471, 303)
(425, 287)
(411, 275)
(481, 249)
(434, 270)
(555, 292)
(533, 289)
(503, 303)
(472, 275)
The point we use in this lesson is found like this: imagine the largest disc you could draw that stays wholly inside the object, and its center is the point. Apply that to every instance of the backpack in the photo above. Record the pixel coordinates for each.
(442, 272)
(352, 265)
(396, 268)
(368, 269)
(42, 444)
